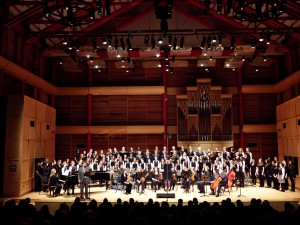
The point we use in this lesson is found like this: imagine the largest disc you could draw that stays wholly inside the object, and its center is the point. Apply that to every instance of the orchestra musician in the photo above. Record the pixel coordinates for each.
(173, 182)
(126, 181)
(206, 179)
(157, 179)
(222, 180)
(141, 183)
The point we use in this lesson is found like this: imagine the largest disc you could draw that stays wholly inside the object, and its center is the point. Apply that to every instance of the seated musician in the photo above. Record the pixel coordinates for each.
(173, 182)
(186, 180)
(126, 181)
(157, 179)
(206, 179)
(140, 180)
(141, 183)
(223, 182)
(53, 182)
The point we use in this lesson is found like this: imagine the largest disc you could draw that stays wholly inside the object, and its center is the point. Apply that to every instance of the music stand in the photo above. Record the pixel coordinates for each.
(240, 195)
(205, 190)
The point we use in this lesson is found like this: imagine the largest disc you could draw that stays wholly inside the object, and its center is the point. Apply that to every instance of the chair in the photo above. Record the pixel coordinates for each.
(227, 187)
(118, 185)
(45, 184)
(52, 190)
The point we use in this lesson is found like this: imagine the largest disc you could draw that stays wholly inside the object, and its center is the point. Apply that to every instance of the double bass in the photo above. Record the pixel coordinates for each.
(231, 176)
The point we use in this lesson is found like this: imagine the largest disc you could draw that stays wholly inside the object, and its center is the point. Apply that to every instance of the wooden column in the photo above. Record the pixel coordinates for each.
(23, 87)
(2, 83)
(89, 111)
(164, 96)
(241, 108)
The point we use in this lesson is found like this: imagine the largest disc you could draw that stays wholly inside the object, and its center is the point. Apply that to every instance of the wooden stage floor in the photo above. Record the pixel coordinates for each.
(275, 197)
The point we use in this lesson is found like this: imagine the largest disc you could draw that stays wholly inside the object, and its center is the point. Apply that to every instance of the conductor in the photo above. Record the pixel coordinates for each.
(84, 179)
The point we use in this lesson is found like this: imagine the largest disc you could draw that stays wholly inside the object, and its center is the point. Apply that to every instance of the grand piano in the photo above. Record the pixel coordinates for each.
(100, 176)
(71, 181)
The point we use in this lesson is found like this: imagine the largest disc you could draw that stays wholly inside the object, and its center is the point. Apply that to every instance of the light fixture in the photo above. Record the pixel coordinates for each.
(174, 42)
(122, 43)
(99, 6)
(268, 37)
(261, 37)
(170, 39)
(107, 7)
(257, 11)
(232, 42)
(253, 41)
(152, 42)
(173, 58)
(146, 40)
(220, 37)
(206, 4)
(181, 44)
(104, 42)
(128, 43)
(94, 44)
(219, 6)
(70, 12)
(265, 58)
(160, 40)
(203, 42)
(65, 41)
(109, 38)
(116, 42)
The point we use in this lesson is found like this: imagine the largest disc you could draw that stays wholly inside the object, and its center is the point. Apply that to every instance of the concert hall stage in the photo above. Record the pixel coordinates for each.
(275, 197)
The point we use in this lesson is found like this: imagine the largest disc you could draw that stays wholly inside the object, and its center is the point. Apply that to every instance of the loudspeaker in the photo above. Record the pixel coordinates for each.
(165, 195)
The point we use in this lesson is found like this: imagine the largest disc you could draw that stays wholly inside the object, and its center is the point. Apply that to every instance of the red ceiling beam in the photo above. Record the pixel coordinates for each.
(22, 16)
(112, 16)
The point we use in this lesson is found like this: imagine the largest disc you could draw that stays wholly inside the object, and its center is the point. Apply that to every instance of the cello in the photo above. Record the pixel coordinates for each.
(216, 183)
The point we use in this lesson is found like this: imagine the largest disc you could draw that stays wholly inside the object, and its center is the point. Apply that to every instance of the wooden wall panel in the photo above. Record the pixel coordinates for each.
(154, 110)
(117, 141)
(259, 109)
(100, 111)
(137, 110)
(266, 144)
(117, 106)
(100, 141)
(235, 110)
(171, 110)
(71, 110)
(70, 79)
(265, 75)
(63, 146)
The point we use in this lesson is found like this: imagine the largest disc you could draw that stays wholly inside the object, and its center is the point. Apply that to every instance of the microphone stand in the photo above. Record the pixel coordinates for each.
(167, 167)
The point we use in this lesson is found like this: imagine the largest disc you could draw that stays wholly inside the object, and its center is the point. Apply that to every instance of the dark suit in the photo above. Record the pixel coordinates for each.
(84, 180)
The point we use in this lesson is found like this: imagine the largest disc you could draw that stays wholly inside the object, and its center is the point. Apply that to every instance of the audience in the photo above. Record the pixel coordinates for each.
(138, 213)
